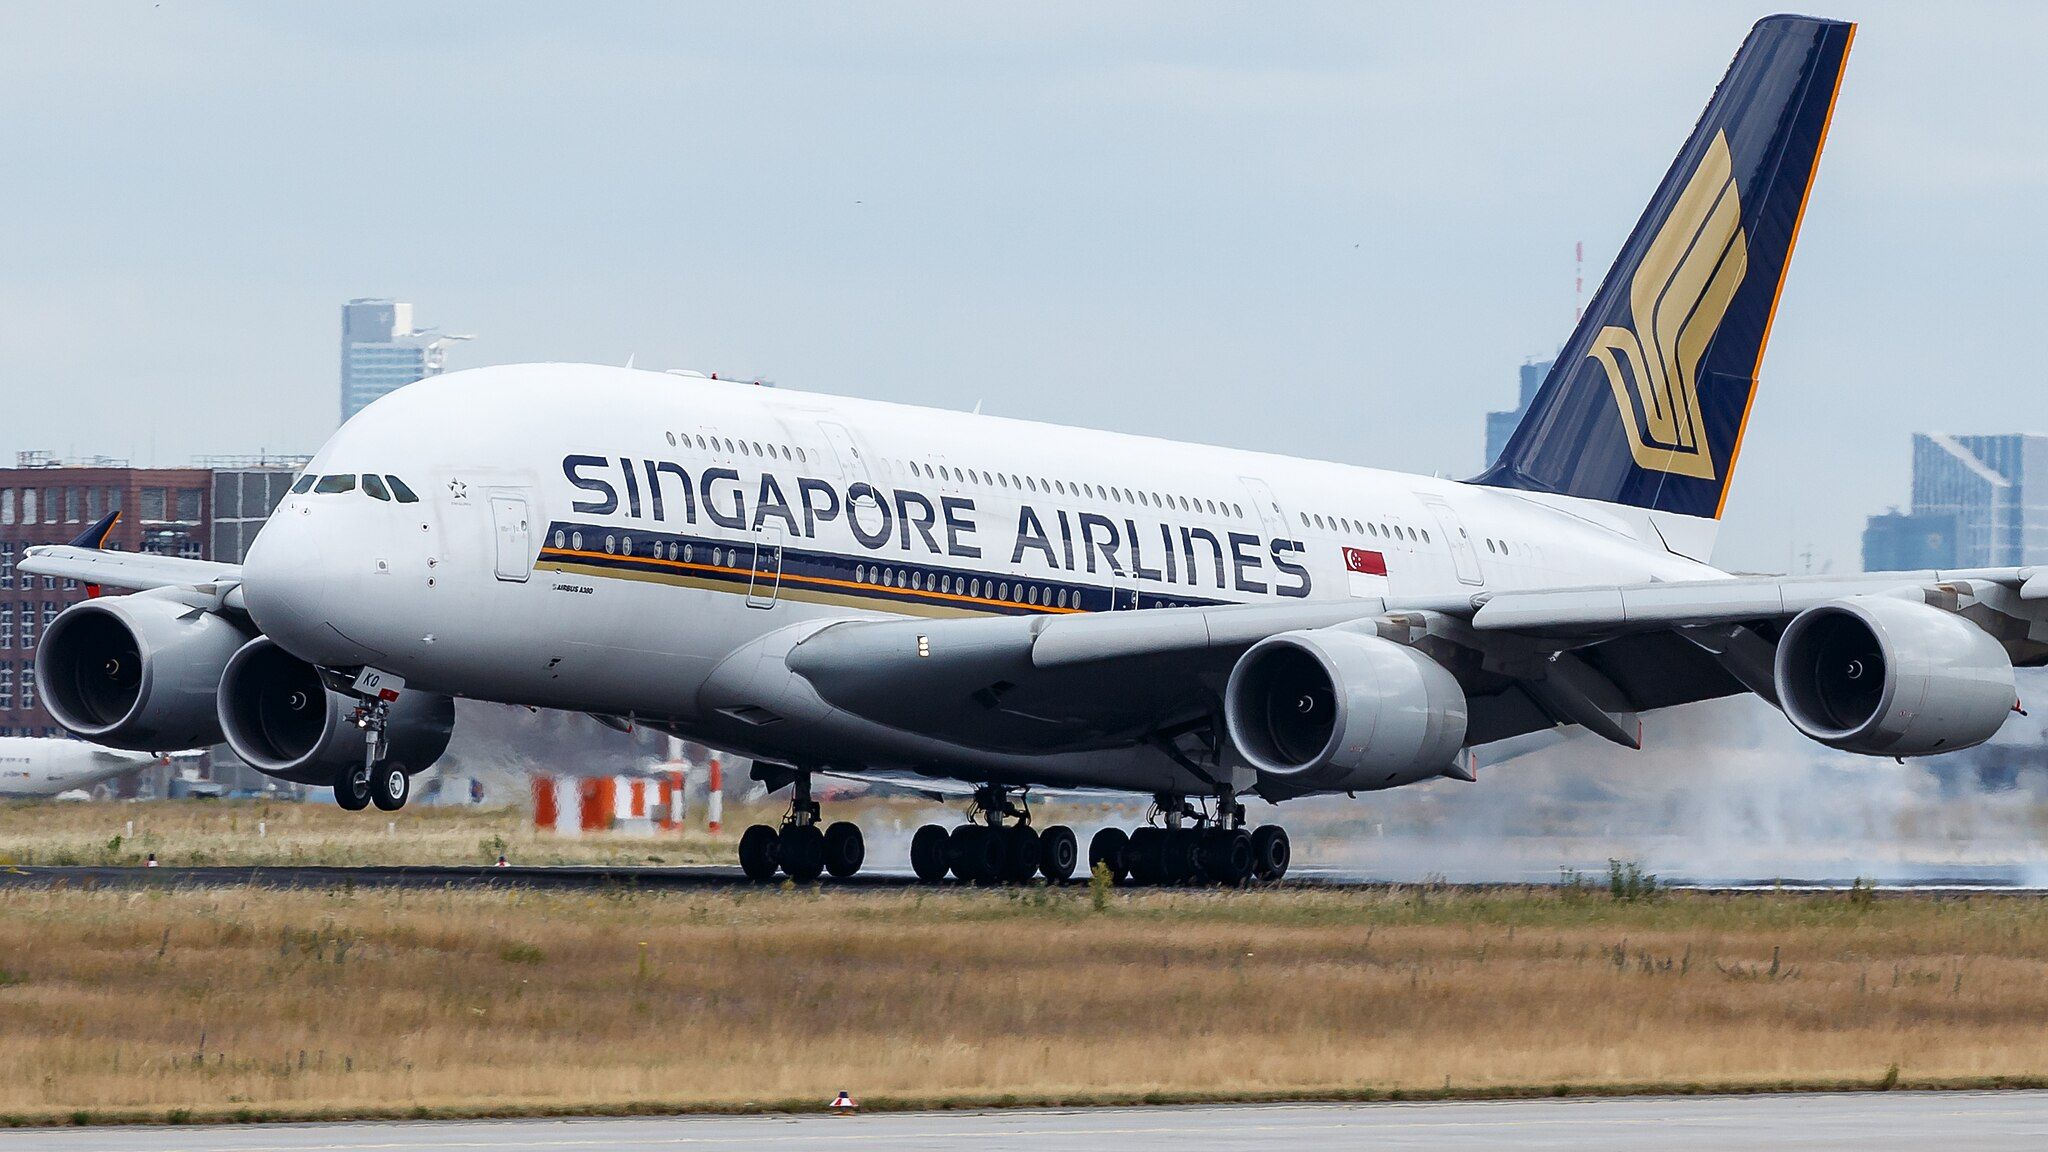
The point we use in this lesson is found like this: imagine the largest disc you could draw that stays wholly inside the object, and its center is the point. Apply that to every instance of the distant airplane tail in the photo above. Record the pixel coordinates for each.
(1647, 404)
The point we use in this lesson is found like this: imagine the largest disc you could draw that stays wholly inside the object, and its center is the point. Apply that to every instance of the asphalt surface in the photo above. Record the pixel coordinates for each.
(1876, 1122)
(717, 876)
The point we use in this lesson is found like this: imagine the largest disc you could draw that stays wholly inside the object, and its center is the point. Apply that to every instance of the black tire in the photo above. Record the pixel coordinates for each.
(1184, 855)
(1058, 853)
(757, 853)
(801, 852)
(1271, 853)
(928, 853)
(1145, 856)
(1227, 856)
(844, 849)
(975, 854)
(1110, 846)
(352, 789)
(389, 788)
(1020, 853)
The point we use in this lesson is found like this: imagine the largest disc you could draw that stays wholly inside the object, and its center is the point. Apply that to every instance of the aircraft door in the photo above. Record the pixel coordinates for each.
(766, 579)
(1268, 508)
(1464, 557)
(514, 532)
(852, 465)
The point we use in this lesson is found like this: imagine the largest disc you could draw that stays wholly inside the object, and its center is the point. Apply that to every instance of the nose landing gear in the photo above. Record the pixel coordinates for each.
(357, 786)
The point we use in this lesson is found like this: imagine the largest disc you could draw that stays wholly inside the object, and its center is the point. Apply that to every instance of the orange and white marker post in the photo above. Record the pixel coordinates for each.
(843, 1105)
(714, 799)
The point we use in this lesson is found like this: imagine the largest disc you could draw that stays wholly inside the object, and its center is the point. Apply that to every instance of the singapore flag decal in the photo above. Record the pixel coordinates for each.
(1367, 571)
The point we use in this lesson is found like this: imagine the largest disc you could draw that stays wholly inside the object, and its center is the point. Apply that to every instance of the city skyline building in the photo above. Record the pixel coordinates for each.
(382, 352)
(1501, 425)
(1977, 502)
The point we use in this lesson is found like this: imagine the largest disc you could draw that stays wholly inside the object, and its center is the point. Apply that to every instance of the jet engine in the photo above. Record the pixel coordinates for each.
(1330, 710)
(280, 717)
(137, 672)
(1880, 675)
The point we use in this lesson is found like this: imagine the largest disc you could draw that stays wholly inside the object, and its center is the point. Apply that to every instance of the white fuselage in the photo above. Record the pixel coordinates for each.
(601, 539)
(39, 766)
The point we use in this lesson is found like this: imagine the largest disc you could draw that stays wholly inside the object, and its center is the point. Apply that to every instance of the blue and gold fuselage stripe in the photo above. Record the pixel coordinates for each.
(750, 567)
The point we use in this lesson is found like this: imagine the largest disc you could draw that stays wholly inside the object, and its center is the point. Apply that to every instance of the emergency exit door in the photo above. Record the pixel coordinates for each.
(515, 537)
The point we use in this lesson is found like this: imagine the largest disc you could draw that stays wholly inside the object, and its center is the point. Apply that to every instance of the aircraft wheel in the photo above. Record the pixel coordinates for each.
(1110, 846)
(1145, 856)
(352, 788)
(1227, 856)
(1020, 853)
(975, 854)
(844, 849)
(928, 853)
(757, 853)
(1058, 852)
(801, 852)
(1270, 852)
(390, 787)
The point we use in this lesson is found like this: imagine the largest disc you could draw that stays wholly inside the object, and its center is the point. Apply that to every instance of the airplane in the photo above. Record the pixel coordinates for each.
(832, 585)
(36, 766)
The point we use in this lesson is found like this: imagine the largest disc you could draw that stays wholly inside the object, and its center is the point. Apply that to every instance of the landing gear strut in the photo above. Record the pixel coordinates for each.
(357, 786)
(1191, 843)
(985, 850)
(800, 849)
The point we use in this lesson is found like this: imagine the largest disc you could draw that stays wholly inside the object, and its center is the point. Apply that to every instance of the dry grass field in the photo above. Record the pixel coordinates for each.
(183, 832)
(240, 1002)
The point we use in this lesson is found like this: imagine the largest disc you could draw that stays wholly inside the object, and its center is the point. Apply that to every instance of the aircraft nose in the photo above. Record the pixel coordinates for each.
(287, 580)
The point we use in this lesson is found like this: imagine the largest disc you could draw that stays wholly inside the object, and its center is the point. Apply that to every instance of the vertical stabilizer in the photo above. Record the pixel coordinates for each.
(1647, 404)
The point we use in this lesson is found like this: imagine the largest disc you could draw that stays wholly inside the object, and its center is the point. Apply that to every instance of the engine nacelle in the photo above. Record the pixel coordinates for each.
(1884, 676)
(137, 672)
(1328, 710)
(283, 720)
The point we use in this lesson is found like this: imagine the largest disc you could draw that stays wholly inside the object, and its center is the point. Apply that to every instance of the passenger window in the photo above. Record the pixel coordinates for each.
(304, 485)
(400, 491)
(330, 485)
(374, 487)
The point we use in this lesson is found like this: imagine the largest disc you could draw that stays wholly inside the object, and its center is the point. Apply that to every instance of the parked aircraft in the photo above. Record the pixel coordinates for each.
(833, 585)
(42, 766)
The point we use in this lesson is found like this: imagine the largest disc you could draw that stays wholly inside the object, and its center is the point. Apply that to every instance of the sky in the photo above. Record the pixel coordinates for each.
(1325, 230)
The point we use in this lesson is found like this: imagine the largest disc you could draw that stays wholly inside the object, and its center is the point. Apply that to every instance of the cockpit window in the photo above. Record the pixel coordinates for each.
(304, 485)
(375, 487)
(399, 490)
(330, 485)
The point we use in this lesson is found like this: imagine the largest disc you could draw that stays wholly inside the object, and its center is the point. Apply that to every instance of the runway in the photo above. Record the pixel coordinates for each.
(585, 877)
(1869, 1122)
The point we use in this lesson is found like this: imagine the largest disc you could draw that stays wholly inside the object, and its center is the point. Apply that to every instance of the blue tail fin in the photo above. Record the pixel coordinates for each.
(1647, 403)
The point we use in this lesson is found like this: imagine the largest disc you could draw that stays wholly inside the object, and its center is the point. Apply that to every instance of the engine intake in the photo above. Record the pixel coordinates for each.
(1884, 676)
(1330, 711)
(283, 720)
(136, 672)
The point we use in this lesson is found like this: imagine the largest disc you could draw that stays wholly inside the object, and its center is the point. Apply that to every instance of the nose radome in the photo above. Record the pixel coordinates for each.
(286, 579)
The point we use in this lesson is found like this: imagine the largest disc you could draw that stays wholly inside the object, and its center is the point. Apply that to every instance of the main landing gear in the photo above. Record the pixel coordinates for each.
(1193, 845)
(357, 786)
(991, 851)
(800, 849)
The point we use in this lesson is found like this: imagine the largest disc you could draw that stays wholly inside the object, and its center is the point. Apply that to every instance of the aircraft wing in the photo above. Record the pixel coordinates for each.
(1529, 662)
(87, 561)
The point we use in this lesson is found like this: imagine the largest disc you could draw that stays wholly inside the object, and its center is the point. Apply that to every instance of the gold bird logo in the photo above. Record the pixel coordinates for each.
(1681, 291)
